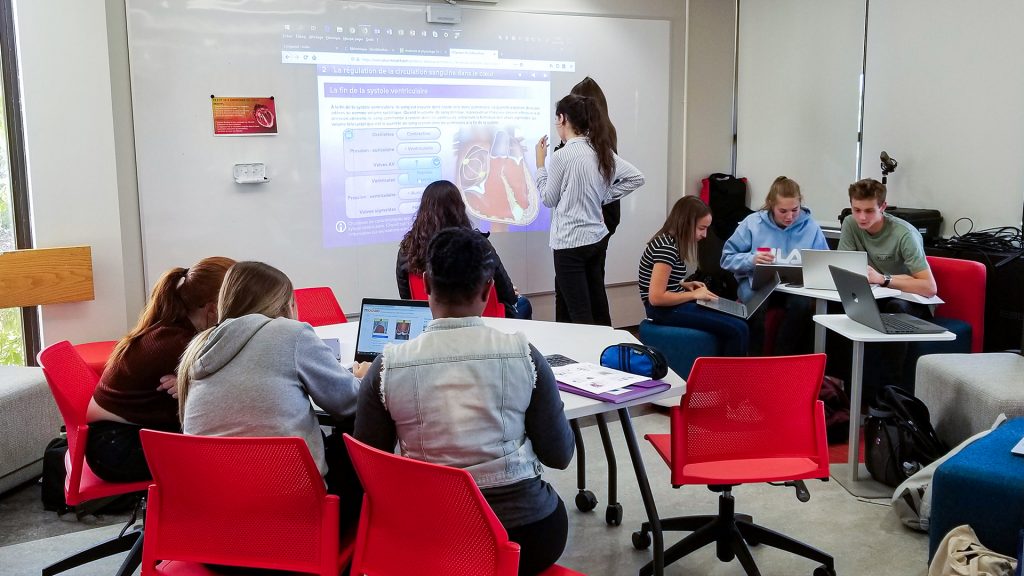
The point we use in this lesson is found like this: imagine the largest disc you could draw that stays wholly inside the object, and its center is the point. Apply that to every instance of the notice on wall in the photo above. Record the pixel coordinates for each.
(241, 116)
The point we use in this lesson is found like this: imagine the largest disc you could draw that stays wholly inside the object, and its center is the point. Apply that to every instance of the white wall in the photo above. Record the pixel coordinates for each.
(72, 168)
(81, 165)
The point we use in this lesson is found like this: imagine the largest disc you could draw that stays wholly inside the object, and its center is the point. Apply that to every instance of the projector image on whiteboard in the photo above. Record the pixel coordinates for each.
(495, 181)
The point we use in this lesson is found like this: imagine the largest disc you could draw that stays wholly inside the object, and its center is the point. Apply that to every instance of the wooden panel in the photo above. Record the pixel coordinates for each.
(45, 276)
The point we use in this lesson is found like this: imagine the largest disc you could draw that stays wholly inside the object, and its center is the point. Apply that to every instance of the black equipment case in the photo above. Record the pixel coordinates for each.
(927, 221)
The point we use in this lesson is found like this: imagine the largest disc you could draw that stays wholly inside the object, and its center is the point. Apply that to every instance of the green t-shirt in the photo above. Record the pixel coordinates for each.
(896, 249)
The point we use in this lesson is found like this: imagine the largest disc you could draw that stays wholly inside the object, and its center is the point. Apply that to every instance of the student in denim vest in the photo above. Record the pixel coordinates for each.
(466, 395)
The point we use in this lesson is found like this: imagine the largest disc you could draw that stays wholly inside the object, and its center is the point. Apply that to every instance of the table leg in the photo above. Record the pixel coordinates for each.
(820, 307)
(851, 476)
(645, 491)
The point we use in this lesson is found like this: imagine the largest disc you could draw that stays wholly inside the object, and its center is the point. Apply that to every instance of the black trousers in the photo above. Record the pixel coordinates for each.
(114, 452)
(579, 285)
(541, 543)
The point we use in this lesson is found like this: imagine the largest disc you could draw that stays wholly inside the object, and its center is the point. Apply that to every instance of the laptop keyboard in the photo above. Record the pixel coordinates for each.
(558, 360)
(731, 306)
(897, 326)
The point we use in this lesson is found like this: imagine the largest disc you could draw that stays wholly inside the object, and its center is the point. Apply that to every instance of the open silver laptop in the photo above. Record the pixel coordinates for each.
(384, 321)
(816, 263)
(859, 304)
(746, 309)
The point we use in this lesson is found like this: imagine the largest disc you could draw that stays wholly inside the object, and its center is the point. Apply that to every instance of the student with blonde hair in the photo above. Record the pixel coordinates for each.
(667, 296)
(775, 234)
(255, 373)
(138, 387)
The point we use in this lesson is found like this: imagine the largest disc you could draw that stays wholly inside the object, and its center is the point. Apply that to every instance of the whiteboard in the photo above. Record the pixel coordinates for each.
(181, 53)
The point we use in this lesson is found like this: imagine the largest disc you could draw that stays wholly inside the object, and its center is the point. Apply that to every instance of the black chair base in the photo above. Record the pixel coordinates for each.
(732, 535)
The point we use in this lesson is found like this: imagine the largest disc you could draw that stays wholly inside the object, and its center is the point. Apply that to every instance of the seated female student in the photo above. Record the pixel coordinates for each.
(442, 206)
(469, 396)
(668, 298)
(784, 226)
(138, 389)
(254, 373)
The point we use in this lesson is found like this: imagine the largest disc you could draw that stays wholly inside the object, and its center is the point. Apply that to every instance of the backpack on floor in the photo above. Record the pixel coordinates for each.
(898, 437)
(53, 475)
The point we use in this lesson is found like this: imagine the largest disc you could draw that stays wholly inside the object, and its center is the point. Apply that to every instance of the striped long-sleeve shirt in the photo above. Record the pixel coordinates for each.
(572, 186)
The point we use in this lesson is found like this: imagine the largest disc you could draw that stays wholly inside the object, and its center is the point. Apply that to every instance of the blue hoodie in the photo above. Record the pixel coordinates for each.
(759, 229)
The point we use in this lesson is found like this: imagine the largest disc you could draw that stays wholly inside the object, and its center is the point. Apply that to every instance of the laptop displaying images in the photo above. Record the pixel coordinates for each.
(816, 263)
(747, 309)
(383, 321)
(859, 304)
(788, 274)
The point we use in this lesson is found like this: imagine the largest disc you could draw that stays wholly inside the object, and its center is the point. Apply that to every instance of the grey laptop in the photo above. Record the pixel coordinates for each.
(747, 309)
(816, 263)
(788, 274)
(859, 304)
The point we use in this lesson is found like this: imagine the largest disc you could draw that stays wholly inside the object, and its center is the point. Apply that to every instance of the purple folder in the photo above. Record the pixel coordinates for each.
(634, 391)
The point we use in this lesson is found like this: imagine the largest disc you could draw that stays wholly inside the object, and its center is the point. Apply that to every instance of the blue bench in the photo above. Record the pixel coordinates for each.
(681, 346)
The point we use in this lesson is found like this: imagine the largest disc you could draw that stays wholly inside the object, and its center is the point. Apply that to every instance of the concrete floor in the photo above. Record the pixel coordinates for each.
(864, 536)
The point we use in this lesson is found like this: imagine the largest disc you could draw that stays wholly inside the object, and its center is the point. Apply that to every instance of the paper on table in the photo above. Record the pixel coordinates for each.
(910, 297)
(594, 378)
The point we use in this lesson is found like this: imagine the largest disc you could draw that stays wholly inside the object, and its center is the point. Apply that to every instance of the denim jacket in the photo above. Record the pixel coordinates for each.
(491, 375)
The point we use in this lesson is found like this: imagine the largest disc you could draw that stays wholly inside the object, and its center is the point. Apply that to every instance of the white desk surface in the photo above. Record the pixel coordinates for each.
(580, 342)
(833, 295)
(843, 325)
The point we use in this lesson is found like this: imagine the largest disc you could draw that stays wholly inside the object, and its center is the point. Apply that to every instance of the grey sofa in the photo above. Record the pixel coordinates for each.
(28, 420)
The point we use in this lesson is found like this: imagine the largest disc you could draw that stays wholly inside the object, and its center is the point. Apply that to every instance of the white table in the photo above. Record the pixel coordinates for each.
(821, 300)
(582, 343)
(851, 478)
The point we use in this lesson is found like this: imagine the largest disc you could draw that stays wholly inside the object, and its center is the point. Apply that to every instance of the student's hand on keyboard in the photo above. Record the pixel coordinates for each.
(703, 293)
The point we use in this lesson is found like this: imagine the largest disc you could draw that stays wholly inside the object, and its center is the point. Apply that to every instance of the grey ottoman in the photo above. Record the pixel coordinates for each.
(966, 392)
(28, 420)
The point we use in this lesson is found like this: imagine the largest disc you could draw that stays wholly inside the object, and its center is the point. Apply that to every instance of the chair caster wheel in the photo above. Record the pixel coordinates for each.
(824, 571)
(613, 515)
(585, 501)
(642, 541)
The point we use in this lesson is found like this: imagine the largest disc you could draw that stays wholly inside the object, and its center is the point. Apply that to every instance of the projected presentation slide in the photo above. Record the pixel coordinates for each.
(401, 106)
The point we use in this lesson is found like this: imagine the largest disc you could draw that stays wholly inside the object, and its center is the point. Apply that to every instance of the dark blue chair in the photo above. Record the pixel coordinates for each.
(681, 346)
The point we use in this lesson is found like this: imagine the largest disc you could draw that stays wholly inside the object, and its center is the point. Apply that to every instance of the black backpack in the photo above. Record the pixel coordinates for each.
(898, 437)
(727, 197)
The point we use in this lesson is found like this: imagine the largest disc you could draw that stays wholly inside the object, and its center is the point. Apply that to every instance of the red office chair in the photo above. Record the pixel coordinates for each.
(96, 354)
(744, 420)
(72, 383)
(250, 502)
(426, 519)
(494, 308)
(961, 286)
(318, 306)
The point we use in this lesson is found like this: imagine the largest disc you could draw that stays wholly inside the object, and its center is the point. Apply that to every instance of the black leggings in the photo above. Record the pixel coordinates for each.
(541, 543)
(114, 452)
(580, 296)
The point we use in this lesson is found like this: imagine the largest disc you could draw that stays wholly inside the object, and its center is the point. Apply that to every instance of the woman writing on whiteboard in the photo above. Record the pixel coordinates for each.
(575, 184)
(668, 298)
(138, 388)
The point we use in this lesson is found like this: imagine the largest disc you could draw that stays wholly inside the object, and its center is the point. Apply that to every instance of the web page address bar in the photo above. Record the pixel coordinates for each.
(453, 61)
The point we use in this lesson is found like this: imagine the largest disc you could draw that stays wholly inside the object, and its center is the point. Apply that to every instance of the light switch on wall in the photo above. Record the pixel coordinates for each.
(250, 173)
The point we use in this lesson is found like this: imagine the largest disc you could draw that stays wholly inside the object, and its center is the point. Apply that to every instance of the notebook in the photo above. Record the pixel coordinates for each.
(617, 396)
(746, 309)
(816, 263)
(383, 321)
(859, 304)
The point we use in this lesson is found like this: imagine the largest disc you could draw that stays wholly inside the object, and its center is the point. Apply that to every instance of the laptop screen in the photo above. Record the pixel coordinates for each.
(385, 321)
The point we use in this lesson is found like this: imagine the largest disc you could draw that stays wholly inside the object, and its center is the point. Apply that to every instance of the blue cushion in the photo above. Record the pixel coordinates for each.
(981, 486)
(681, 346)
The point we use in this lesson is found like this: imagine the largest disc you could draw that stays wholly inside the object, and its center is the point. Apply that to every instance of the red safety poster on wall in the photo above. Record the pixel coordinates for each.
(233, 116)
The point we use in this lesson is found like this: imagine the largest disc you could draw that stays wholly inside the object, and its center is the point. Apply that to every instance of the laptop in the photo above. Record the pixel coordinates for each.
(746, 309)
(817, 262)
(788, 274)
(859, 304)
(384, 321)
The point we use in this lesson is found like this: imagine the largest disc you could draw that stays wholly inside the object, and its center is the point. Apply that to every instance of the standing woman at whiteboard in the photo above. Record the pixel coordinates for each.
(584, 175)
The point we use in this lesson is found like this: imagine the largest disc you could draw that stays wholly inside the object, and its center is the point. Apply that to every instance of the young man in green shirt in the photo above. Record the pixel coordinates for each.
(895, 249)
(896, 259)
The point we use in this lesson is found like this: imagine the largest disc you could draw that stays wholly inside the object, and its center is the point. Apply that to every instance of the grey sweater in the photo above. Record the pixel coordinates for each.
(255, 377)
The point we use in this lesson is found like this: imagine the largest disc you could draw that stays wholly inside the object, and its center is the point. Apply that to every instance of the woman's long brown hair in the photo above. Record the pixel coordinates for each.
(587, 118)
(681, 225)
(441, 206)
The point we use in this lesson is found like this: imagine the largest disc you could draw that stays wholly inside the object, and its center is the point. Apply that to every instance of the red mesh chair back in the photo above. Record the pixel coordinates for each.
(762, 413)
(425, 519)
(318, 306)
(96, 354)
(494, 308)
(961, 285)
(72, 383)
(253, 502)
